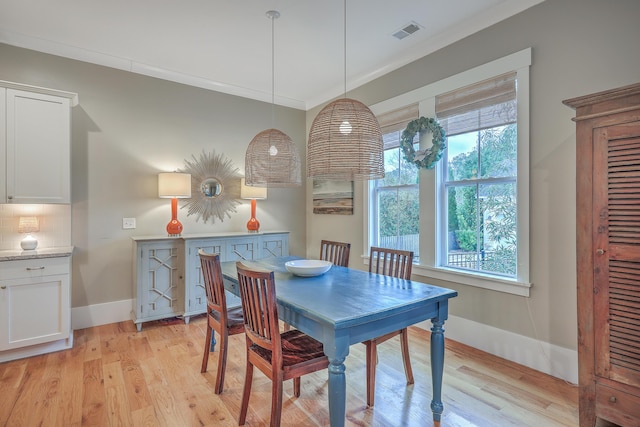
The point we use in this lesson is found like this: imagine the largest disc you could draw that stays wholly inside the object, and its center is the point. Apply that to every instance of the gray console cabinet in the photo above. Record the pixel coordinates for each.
(167, 280)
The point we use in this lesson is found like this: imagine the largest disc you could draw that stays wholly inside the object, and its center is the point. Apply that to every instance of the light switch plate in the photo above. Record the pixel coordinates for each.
(128, 223)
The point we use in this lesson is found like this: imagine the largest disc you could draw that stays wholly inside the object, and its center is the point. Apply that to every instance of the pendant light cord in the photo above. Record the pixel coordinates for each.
(273, 17)
(344, 23)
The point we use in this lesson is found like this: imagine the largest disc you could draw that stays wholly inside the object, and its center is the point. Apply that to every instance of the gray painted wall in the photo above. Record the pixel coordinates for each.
(579, 47)
(125, 130)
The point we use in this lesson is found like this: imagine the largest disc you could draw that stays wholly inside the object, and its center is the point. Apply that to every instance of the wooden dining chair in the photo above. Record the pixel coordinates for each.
(280, 356)
(336, 252)
(396, 263)
(224, 321)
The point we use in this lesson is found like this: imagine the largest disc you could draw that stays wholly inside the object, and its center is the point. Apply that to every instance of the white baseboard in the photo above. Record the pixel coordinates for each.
(551, 359)
(101, 314)
(35, 350)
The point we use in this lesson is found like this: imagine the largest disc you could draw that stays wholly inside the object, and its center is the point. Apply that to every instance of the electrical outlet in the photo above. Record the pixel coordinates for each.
(128, 223)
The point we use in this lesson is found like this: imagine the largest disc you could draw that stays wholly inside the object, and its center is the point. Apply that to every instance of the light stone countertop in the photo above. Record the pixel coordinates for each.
(55, 252)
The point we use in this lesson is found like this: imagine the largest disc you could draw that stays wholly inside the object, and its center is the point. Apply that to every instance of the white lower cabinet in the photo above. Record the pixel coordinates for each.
(167, 279)
(35, 306)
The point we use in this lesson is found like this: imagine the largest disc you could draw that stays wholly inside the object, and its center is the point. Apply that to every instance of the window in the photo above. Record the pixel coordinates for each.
(471, 212)
(478, 193)
(396, 202)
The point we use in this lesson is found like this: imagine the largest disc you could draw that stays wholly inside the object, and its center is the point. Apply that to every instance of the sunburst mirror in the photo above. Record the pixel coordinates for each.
(215, 187)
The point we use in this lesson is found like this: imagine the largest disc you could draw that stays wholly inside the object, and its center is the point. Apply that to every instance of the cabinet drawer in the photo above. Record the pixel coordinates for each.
(617, 406)
(33, 268)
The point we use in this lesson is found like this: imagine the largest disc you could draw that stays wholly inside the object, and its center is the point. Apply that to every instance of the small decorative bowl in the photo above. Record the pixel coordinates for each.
(308, 267)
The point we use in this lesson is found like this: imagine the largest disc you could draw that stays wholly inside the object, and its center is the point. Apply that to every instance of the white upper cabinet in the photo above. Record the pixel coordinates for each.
(35, 144)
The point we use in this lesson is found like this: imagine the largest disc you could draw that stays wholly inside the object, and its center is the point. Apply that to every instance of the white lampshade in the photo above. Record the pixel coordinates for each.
(28, 224)
(174, 185)
(256, 193)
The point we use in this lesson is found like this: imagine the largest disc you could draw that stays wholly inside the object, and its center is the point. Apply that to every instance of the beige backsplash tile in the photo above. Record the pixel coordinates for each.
(55, 225)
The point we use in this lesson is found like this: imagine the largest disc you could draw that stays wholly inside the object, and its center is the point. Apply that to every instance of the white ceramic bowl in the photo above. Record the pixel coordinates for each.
(308, 267)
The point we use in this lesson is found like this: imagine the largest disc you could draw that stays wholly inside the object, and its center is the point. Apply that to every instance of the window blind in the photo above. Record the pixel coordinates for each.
(482, 105)
(396, 121)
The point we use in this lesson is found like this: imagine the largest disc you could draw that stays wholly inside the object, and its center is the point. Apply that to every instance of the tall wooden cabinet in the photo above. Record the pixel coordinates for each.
(608, 254)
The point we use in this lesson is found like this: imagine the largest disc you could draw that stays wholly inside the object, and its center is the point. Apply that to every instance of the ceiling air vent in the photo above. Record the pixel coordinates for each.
(407, 30)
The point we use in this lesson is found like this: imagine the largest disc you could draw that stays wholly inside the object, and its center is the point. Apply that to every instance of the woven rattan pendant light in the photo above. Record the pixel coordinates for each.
(345, 141)
(272, 158)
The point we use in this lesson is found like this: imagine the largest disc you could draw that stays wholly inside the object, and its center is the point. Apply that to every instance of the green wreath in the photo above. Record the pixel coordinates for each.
(428, 157)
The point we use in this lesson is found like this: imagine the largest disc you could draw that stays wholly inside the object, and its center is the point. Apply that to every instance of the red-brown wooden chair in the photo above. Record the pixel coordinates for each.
(396, 263)
(280, 356)
(336, 252)
(224, 321)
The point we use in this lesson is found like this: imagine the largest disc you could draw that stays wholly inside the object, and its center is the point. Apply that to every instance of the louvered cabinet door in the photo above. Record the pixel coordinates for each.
(616, 244)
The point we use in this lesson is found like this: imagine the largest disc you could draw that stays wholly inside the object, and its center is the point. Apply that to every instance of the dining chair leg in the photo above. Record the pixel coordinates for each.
(404, 342)
(276, 400)
(371, 356)
(222, 362)
(296, 387)
(246, 392)
(207, 346)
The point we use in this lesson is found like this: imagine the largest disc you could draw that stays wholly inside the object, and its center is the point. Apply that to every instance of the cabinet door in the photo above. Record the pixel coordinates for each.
(616, 198)
(3, 144)
(274, 245)
(242, 248)
(196, 296)
(34, 311)
(158, 284)
(37, 148)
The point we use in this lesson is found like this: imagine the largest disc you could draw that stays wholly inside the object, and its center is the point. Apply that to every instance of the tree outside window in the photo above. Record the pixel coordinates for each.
(397, 203)
(481, 176)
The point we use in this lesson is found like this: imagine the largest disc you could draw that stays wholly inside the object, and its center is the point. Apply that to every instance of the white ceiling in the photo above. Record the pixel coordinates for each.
(225, 45)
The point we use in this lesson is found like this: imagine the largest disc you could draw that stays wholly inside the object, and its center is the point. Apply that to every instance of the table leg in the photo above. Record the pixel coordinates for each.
(212, 346)
(437, 366)
(337, 392)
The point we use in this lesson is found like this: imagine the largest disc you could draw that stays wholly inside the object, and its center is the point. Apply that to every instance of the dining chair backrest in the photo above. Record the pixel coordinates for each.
(391, 262)
(213, 282)
(336, 252)
(258, 295)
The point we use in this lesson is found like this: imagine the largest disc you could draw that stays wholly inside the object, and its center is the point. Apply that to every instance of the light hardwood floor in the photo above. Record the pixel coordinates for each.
(115, 376)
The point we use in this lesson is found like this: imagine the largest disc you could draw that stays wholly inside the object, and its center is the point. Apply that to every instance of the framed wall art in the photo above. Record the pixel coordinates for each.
(332, 197)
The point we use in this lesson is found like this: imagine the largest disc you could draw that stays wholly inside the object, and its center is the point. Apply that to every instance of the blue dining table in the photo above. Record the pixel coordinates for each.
(346, 306)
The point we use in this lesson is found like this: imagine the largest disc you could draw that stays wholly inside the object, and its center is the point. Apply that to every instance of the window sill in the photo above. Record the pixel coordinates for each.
(478, 280)
(483, 281)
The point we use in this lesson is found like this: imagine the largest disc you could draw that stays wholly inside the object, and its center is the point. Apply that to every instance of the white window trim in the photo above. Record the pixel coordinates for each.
(425, 96)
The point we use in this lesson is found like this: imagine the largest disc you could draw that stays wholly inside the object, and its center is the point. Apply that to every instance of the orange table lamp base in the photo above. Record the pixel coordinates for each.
(174, 228)
(253, 225)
